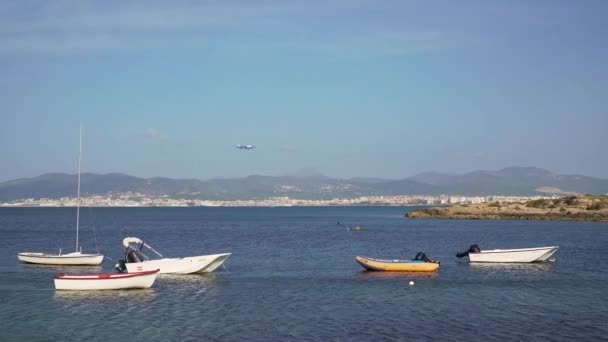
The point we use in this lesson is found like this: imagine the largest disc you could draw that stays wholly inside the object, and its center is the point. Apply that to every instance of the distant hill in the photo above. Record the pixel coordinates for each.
(309, 184)
(515, 180)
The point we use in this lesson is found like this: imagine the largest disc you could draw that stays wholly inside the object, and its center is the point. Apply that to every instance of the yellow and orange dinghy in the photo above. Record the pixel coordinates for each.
(419, 264)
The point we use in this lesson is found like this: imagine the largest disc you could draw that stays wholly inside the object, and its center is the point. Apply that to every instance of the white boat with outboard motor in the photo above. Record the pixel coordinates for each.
(136, 261)
(105, 281)
(75, 258)
(534, 254)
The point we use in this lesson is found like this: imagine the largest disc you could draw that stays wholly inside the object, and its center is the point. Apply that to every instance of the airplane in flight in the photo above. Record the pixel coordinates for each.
(245, 147)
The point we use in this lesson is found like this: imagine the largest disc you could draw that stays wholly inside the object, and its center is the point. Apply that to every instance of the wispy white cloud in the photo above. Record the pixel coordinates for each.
(82, 16)
(234, 27)
(67, 26)
(364, 44)
(153, 133)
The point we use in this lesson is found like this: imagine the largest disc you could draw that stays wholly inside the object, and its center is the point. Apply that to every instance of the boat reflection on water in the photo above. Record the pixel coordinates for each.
(200, 278)
(133, 296)
(63, 268)
(512, 267)
(371, 275)
(196, 286)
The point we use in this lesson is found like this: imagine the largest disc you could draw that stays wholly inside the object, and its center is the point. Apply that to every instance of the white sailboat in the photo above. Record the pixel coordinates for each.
(74, 258)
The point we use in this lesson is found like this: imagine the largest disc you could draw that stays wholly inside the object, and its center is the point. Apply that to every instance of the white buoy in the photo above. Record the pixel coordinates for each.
(411, 283)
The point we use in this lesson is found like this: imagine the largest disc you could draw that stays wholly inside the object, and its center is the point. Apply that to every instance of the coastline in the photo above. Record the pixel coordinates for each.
(573, 208)
(217, 206)
(142, 200)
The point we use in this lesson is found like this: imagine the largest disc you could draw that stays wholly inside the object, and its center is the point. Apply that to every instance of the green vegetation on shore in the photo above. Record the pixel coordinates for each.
(571, 208)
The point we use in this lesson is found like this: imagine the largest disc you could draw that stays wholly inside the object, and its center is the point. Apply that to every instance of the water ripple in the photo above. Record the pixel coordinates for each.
(292, 276)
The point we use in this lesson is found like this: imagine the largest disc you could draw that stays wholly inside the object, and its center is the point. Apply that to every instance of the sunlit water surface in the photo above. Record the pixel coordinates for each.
(292, 276)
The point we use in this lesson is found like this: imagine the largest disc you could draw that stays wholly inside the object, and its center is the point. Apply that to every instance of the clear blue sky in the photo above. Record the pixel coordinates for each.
(352, 88)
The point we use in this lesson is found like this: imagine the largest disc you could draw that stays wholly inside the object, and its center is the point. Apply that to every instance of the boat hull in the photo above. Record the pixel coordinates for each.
(111, 281)
(71, 259)
(525, 255)
(396, 265)
(195, 264)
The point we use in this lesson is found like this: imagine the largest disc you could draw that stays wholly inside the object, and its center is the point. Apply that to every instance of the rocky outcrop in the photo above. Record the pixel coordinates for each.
(573, 208)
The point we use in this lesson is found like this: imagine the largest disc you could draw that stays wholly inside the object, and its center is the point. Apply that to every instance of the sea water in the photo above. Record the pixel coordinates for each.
(292, 276)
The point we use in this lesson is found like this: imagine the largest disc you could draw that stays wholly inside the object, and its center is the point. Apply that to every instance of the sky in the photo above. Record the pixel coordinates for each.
(352, 88)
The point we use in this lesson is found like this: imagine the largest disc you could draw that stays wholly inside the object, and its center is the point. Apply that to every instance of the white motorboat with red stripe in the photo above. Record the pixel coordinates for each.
(136, 261)
(105, 281)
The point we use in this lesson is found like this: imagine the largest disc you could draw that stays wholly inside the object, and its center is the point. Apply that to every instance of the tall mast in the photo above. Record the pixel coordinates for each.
(78, 200)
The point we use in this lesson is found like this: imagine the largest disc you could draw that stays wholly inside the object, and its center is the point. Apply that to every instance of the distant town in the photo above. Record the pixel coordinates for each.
(130, 199)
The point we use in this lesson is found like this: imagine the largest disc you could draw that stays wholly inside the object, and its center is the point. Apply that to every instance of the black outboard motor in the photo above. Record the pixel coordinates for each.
(121, 266)
(421, 256)
(472, 249)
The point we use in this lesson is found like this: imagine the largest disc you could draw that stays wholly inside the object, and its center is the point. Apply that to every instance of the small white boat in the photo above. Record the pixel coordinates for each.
(136, 261)
(535, 254)
(105, 281)
(74, 259)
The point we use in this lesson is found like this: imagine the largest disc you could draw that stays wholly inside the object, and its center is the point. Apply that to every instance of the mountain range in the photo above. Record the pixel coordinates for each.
(309, 184)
